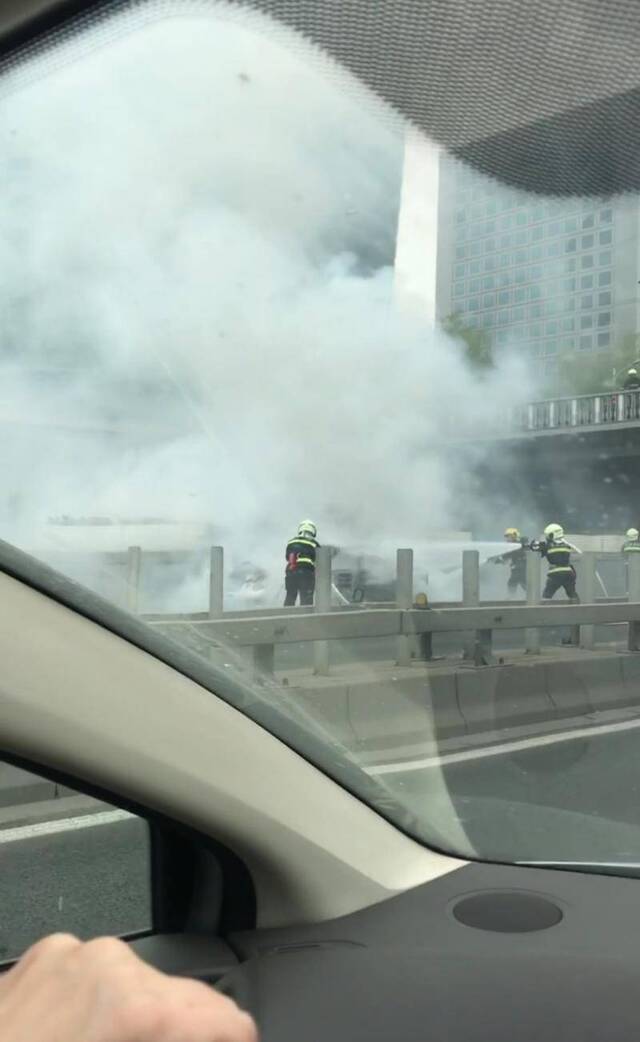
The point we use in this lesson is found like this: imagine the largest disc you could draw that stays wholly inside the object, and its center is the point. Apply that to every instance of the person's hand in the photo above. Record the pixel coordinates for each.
(63, 990)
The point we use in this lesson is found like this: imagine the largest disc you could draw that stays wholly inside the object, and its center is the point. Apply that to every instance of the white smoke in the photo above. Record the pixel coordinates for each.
(198, 224)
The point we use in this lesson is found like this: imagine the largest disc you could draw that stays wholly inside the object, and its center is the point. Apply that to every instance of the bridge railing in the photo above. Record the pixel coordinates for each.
(414, 625)
(589, 410)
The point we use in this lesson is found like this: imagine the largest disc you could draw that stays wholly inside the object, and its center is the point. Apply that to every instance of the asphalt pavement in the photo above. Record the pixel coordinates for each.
(88, 875)
(571, 796)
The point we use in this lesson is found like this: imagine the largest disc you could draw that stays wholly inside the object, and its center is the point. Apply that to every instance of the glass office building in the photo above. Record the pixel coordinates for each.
(539, 274)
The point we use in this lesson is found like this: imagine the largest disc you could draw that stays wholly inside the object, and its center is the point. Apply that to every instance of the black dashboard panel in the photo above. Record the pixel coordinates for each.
(548, 955)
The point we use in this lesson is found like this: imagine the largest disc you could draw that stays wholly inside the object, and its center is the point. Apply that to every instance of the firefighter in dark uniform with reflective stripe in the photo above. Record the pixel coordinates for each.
(300, 575)
(632, 544)
(561, 573)
(517, 561)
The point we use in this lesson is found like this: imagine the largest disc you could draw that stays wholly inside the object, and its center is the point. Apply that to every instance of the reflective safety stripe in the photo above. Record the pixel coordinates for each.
(559, 568)
(558, 550)
(633, 548)
(304, 542)
(306, 560)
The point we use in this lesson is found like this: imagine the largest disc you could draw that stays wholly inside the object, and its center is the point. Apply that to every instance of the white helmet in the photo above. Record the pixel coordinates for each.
(554, 531)
(307, 528)
(633, 533)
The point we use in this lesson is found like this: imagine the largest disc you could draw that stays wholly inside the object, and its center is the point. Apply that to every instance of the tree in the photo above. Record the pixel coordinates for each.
(589, 374)
(477, 342)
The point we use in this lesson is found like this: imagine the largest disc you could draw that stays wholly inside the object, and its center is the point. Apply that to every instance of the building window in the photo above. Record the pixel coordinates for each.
(505, 222)
(551, 347)
(489, 282)
(568, 343)
(488, 319)
(535, 293)
(536, 311)
(551, 327)
(570, 265)
(504, 279)
(520, 257)
(536, 272)
(585, 342)
(587, 242)
(604, 339)
(571, 224)
(586, 282)
(535, 331)
(501, 336)
(606, 216)
(570, 284)
(490, 246)
(520, 238)
(588, 220)
(537, 252)
(604, 259)
(503, 317)
(490, 264)
(458, 289)
(461, 216)
(519, 295)
(474, 286)
(604, 238)
(473, 304)
(475, 267)
(458, 271)
(489, 300)
(520, 276)
(604, 319)
(604, 299)
(521, 218)
(570, 245)
(537, 233)
(461, 252)
(586, 322)
(587, 261)
(553, 248)
(474, 249)
(586, 301)
(604, 278)
(568, 324)
(537, 214)
(554, 228)
(517, 315)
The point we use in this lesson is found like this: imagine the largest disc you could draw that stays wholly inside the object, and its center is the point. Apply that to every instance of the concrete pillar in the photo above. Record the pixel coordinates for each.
(633, 565)
(470, 593)
(216, 582)
(134, 570)
(322, 604)
(587, 573)
(534, 572)
(404, 600)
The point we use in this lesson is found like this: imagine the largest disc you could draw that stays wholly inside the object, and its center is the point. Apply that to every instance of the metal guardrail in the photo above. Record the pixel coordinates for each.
(409, 624)
(583, 411)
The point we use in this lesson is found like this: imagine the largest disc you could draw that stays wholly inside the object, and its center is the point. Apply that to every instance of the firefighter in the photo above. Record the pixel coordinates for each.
(300, 575)
(632, 542)
(561, 573)
(631, 380)
(517, 561)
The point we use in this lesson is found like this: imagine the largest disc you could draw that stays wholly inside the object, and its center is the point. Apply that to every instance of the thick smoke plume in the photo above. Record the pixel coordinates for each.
(199, 320)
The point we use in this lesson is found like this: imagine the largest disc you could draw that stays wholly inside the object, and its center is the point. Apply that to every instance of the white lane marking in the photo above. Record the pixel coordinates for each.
(500, 750)
(50, 828)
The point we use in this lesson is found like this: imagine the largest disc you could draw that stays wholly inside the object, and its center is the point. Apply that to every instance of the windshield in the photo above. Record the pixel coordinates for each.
(338, 405)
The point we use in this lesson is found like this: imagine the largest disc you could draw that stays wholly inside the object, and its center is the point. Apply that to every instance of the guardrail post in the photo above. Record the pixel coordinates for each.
(322, 604)
(633, 565)
(404, 601)
(216, 582)
(478, 646)
(587, 573)
(134, 569)
(620, 407)
(534, 572)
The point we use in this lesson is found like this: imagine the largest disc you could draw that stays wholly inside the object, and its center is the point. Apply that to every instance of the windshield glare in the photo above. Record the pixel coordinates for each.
(282, 375)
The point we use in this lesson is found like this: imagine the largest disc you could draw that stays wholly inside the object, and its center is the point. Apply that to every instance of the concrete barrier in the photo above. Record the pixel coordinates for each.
(17, 786)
